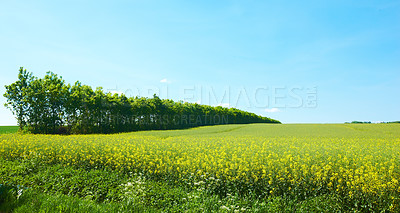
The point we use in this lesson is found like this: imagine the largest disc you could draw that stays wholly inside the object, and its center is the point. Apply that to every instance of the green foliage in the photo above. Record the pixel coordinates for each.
(16, 94)
(35, 201)
(361, 122)
(136, 193)
(51, 106)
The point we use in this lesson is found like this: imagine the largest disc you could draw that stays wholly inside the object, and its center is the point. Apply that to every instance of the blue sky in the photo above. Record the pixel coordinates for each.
(298, 62)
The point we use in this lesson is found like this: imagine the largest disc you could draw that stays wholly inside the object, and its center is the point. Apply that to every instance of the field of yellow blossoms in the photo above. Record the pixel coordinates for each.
(353, 161)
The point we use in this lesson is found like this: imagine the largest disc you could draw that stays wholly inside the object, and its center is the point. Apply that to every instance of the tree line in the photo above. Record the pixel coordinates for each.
(50, 106)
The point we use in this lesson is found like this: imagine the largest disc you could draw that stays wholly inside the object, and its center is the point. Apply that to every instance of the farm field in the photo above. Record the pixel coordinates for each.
(8, 129)
(238, 168)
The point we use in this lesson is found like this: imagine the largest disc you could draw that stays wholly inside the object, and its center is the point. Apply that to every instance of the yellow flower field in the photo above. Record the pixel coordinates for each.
(297, 160)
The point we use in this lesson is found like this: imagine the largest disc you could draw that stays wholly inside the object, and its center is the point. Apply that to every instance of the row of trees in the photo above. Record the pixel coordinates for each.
(48, 105)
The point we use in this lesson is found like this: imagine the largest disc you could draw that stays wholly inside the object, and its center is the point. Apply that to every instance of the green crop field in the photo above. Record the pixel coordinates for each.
(8, 129)
(228, 168)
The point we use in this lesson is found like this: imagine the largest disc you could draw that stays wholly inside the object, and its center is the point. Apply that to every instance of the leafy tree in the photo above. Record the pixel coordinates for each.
(16, 96)
(49, 106)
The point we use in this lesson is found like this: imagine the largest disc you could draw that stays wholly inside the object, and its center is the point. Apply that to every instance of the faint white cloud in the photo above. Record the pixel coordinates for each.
(164, 80)
(272, 110)
(116, 92)
(226, 105)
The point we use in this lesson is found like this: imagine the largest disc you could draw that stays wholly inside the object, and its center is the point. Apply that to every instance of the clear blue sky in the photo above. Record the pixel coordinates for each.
(298, 62)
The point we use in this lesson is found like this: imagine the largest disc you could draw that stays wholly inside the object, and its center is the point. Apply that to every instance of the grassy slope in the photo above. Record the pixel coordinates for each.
(8, 129)
(270, 130)
(285, 130)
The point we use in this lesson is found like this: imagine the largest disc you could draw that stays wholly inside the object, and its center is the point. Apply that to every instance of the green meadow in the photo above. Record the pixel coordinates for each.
(8, 129)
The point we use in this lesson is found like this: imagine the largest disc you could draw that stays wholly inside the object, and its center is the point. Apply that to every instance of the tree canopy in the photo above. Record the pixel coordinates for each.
(48, 105)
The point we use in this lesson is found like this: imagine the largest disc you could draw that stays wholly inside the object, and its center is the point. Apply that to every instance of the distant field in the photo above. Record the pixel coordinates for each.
(8, 129)
(256, 167)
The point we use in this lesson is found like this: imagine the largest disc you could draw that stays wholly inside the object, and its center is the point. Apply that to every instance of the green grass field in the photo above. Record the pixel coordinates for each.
(8, 129)
(229, 168)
